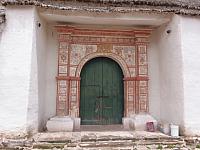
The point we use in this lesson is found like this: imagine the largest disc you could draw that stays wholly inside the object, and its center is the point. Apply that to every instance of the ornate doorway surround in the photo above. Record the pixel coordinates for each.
(79, 45)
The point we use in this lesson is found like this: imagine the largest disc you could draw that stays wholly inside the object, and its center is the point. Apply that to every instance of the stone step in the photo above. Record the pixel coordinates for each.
(129, 148)
(100, 148)
(111, 144)
(101, 136)
(105, 144)
(106, 140)
(128, 145)
(48, 145)
(97, 141)
(97, 145)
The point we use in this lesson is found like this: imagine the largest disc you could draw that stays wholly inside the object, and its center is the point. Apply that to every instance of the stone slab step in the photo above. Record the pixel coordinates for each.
(100, 148)
(127, 148)
(100, 136)
(124, 146)
(96, 140)
(109, 144)
(46, 145)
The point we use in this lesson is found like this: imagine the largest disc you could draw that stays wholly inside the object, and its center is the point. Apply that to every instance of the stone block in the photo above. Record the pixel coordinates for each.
(139, 121)
(60, 124)
(127, 123)
(77, 123)
(164, 127)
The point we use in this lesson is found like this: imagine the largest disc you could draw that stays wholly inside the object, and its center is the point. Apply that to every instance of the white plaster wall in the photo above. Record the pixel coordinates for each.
(190, 31)
(45, 57)
(41, 53)
(44, 70)
(23, 58)
(154, 79)
(168, 50)
(15, 68)
(51, 72)
(36, 101)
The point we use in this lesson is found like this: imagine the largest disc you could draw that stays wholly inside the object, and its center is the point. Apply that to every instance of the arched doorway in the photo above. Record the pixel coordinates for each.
(102, 92)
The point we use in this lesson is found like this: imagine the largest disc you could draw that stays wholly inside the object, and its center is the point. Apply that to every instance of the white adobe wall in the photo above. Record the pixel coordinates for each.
(154, 82)
(51, 73)
(46, 46)
(23, 63)
(190, 38)
(40, 54)
(37, 87)
(15, 69)
(165, 65)
(177, 55)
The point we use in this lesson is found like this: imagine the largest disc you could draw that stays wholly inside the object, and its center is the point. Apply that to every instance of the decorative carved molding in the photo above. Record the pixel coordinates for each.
(68, 78)
(104, 48)
(136, 79)
(127, 47)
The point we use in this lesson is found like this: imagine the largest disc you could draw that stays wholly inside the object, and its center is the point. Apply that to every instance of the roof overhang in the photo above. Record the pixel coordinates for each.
(108, 19)
(184, 7)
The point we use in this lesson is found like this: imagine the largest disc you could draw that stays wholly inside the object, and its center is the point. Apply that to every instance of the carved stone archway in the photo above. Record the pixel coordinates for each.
(112, 56)
(127, 47)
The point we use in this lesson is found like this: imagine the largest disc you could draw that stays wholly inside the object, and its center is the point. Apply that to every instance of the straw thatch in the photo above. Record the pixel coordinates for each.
(186, 7)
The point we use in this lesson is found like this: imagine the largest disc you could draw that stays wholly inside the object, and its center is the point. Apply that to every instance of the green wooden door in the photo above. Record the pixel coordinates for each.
(101, 92)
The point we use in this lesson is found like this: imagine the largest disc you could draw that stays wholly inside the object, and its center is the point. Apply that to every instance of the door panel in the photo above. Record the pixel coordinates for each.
(91, 115)
(101, 92)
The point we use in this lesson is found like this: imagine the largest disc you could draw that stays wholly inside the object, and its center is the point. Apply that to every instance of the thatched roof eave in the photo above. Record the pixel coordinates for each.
(185, 7)
(2, 16)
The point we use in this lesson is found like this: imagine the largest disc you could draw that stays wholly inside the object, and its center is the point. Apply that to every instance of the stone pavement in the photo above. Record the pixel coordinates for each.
(113, 140)
(99, 140)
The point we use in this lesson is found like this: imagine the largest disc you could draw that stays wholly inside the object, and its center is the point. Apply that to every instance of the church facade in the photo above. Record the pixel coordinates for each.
(67, 64)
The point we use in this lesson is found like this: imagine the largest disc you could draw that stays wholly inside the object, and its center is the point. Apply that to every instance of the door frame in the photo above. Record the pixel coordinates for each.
(122, 64)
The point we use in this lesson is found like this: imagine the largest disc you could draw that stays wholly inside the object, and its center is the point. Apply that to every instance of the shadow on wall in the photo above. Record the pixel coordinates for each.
(2, 26)
(2, 20)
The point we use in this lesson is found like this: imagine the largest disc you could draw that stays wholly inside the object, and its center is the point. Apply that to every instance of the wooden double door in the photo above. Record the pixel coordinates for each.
(101, 99)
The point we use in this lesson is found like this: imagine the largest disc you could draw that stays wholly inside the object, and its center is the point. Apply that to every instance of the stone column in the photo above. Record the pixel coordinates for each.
(142, 73)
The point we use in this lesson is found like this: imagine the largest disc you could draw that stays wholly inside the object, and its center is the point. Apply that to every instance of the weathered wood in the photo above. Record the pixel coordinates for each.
(101, 92)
